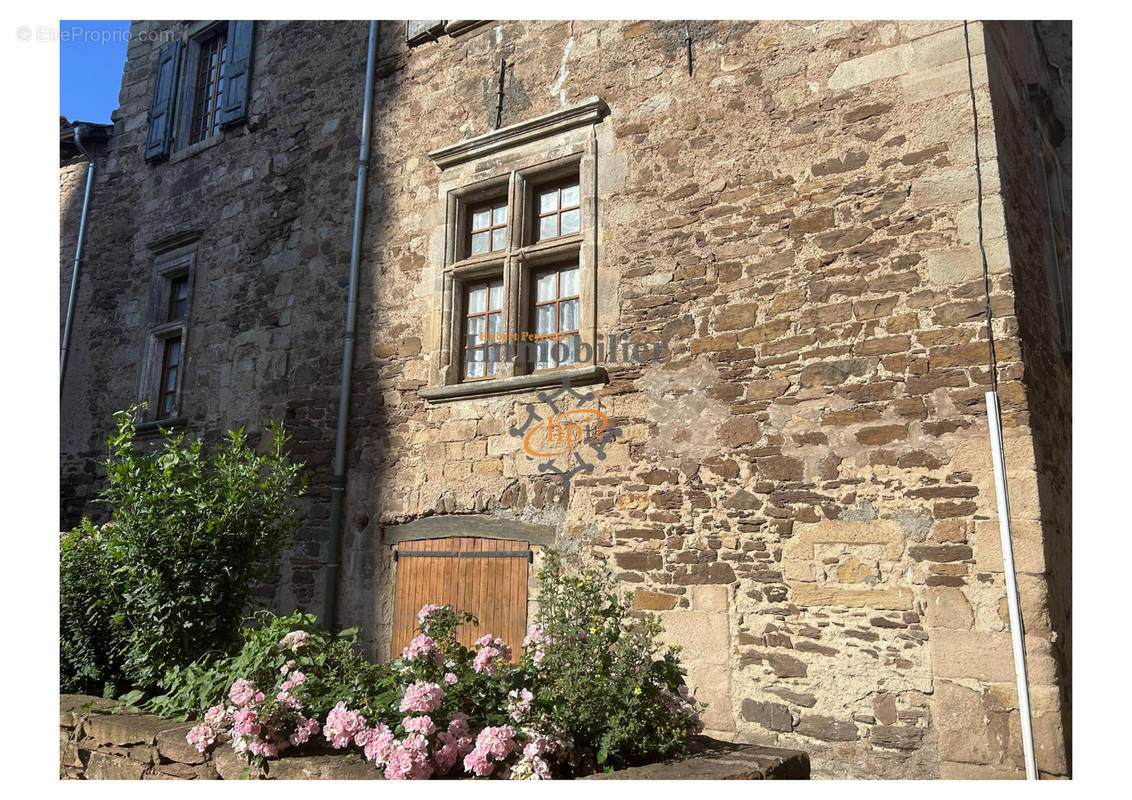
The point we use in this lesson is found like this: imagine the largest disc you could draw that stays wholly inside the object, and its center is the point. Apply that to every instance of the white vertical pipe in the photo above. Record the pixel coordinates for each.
(1017, 633)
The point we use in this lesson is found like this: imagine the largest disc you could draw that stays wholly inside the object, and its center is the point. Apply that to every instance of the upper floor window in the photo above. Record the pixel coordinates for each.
(519, 278)
(208, 90)
(200, 86)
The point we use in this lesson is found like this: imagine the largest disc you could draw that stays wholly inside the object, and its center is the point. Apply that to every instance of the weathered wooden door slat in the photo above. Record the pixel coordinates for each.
(487, 577)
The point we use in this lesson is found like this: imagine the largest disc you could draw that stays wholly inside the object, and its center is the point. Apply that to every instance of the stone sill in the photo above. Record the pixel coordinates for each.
(154, 427)
(97, 745)
(579, 376)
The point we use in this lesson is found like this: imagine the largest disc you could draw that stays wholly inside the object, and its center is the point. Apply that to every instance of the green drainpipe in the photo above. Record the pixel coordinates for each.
(338, 482)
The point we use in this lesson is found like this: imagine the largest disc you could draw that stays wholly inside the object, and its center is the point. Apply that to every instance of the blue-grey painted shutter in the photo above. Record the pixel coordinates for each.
(423, 30)
(237, 71)
(160, 134)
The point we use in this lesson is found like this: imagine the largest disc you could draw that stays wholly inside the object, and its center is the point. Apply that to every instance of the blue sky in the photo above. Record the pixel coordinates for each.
(91, 56)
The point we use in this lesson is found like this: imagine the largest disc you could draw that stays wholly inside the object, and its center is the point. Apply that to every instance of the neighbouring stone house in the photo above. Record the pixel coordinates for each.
(798, 478)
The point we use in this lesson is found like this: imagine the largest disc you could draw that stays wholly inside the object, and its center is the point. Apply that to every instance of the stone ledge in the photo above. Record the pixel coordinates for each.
(588, 112)
(132, 746)
(714, 760)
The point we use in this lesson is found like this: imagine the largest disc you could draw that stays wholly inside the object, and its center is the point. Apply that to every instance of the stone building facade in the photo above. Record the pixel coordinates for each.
(798, 481)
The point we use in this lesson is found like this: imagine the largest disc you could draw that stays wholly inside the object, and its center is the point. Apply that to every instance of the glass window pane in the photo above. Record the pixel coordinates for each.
(171, 379)
(499, 238)
(571, 221)
(499, 215)
(494, 328)
(548, 227)
(173, 352)
(547, 201)
(545, 287)
(479, 243)
(570, 196)
(544, 319)
(492, 366)
(475, 331)
(569, 350)
(542, 356)
(473, 368)
(481, 219)
(496, 300)
(477, 298)
(569, 282)
(568, 316)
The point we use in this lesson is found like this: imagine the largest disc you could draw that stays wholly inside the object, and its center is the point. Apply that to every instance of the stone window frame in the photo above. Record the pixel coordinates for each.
(173, 258)
(182, 146)
(515, 161)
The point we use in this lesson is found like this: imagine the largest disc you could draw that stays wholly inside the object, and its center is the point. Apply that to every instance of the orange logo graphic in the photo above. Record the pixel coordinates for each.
(563, 432)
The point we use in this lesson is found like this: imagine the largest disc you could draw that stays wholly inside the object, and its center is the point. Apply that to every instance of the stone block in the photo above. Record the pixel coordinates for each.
(946, 46)
(960, 717)
(324, 768)
(811, 594)
(171, 744)
(710, 598)
(887, 63)
(951, 78)
(964, 264)
(124, 729)
(1026, 545)
(896, 737)
(826, 728)
(774, 716)
(948, 607)
(105, 767)
(653, 601)
(704, 636)
(232, 766)
(863, 532)
(987, 655)
(784, 665)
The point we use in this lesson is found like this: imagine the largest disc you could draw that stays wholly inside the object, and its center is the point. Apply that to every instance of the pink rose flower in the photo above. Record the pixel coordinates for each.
(422, 697)
(241, 692)
(341, 725)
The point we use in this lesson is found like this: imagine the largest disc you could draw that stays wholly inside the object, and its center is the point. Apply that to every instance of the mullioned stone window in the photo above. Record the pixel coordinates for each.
(517, 268)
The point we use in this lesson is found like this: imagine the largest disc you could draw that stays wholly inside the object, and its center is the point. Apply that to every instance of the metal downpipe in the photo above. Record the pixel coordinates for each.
(78, 258)
(338, 481)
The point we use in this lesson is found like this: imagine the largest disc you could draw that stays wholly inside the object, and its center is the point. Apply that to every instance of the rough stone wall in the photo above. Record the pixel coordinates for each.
(802, 491)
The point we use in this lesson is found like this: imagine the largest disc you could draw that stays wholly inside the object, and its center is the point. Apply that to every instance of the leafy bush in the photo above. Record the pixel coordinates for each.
(90, 651)
(603, 675)
(190, 536)
(334, 667)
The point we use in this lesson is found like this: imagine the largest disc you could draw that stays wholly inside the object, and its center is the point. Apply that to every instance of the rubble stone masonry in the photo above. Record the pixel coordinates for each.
(802, 488)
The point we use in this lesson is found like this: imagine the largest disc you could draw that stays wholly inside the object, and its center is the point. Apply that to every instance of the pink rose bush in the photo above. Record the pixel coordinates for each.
(588, 691)
(259, 724)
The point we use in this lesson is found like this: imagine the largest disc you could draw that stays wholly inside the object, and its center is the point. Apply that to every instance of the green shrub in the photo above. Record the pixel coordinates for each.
(603, 674)
(90, 651)
(335, 667)
(190, 536)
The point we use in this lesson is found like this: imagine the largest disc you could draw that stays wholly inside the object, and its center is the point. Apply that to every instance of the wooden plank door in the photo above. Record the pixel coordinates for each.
(473, 574)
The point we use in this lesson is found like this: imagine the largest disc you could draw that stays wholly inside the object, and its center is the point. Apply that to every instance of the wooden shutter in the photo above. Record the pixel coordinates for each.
(160, 135)
(237, 71)
(487, 577)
